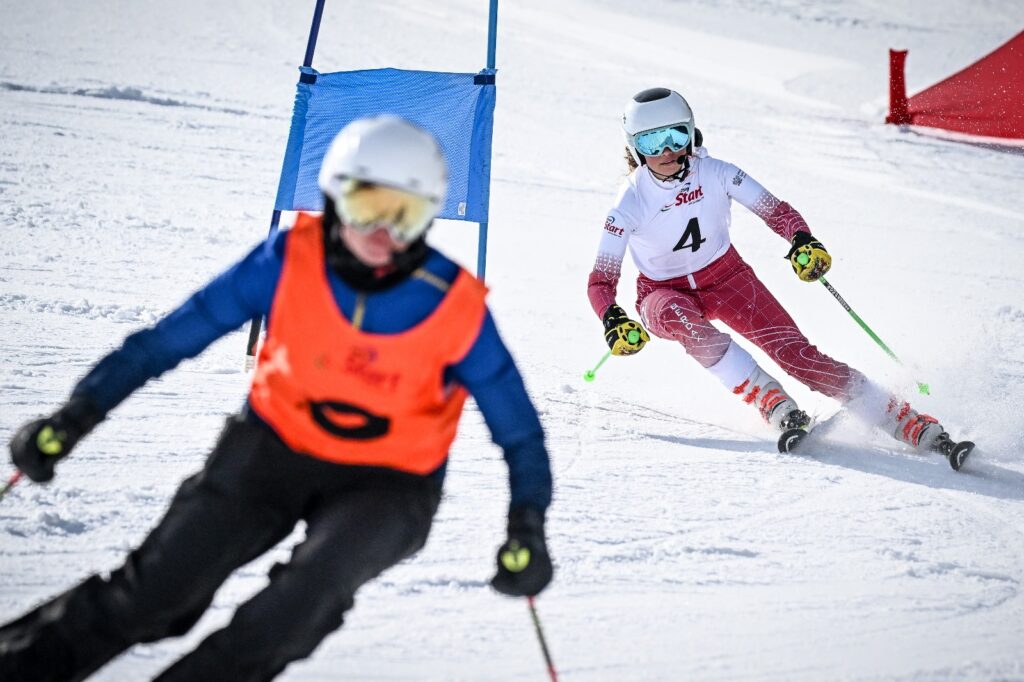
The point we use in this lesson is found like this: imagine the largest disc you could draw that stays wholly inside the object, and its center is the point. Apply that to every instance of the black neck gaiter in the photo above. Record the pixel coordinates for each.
(354, 272)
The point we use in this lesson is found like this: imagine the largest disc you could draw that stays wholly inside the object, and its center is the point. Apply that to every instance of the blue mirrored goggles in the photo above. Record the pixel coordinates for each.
(652, 142)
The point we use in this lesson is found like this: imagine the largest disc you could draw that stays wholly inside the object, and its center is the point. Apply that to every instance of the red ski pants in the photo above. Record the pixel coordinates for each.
(728, 290)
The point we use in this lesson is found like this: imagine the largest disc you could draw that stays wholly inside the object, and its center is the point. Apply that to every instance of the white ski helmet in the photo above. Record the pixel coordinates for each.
(389, 151)
(652, 109)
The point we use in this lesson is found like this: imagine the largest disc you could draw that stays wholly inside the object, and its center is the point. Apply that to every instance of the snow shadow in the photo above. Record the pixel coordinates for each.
(747, 446)
(931, 470)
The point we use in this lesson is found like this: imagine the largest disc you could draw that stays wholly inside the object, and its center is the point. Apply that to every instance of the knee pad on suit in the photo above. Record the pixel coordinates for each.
(674, 316)
(664, 315)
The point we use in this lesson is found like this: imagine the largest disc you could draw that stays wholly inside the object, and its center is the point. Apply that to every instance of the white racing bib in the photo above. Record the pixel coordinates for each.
(676, 228)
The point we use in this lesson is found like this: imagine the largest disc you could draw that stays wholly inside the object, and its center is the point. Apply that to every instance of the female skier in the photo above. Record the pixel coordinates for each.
(374, 342)
(673, 212)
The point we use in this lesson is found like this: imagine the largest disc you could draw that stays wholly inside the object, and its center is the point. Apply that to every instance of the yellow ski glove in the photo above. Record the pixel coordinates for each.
(623, 335)
(808, 257)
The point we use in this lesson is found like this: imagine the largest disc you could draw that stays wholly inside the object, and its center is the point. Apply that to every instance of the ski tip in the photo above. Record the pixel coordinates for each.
(958, 455)
(790, 439)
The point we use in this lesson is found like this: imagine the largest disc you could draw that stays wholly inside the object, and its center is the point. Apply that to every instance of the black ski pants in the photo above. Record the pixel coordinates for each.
(249, 496)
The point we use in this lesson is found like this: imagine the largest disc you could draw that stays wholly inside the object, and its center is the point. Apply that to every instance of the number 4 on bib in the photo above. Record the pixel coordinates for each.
(691, 237)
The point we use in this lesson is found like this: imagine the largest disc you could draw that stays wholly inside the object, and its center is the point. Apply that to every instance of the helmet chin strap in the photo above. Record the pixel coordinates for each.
(684, 169)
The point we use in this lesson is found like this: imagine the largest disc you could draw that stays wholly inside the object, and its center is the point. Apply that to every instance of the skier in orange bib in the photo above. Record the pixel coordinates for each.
(374, 341)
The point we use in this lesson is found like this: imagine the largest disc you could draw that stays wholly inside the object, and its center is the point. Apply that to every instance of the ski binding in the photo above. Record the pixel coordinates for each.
(956, 453)
(795, 427)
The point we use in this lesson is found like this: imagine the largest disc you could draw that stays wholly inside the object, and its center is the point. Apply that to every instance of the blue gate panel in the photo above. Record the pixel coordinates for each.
(458, 108)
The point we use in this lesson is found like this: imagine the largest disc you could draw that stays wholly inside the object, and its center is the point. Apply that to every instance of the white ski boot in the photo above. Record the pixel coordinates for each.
(762, 391)
(740, 373)
(777, 408)
(924, 432)
(906, 424)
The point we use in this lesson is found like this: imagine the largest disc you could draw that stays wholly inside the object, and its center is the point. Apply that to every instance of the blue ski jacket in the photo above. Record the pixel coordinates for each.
(246, 290)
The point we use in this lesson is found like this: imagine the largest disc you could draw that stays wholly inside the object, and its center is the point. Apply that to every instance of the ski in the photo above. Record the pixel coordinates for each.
(959, 454)
(795, 427)
(955, 453)
(790, 439)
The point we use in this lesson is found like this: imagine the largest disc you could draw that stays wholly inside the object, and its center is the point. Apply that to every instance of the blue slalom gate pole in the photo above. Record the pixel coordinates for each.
(492, 39)
(275, 218)
(314, 31)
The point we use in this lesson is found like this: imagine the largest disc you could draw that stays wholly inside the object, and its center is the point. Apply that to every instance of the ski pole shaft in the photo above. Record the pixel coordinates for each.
(591, 374)
(922, 387)
(15, 477)
(552, 673)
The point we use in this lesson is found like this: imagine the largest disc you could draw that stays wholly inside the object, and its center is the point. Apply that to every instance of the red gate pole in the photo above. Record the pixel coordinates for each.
(898, 110)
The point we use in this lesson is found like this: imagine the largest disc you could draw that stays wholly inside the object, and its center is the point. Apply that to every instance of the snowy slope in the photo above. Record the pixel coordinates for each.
(139, 150)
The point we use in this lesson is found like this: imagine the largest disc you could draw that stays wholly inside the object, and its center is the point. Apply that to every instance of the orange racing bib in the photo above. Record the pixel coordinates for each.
(340, 394)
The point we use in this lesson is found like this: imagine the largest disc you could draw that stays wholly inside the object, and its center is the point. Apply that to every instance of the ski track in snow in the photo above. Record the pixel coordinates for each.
(137, 162)
(127, 93)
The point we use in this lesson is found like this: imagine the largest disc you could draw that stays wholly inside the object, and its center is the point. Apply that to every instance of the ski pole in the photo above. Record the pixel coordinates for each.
(633, 336)
(922, 387)
(15, 477)
(552, 673)
(590, 374)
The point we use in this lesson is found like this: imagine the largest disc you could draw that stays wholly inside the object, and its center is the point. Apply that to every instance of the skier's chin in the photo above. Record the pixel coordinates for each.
(668, 167)
(374, 258)
(374, 250)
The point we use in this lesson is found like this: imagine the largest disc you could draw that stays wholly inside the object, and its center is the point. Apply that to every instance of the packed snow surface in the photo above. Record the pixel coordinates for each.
(140, 145)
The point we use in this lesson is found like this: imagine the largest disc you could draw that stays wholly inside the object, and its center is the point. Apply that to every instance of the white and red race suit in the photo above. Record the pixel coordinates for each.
(678, 234)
